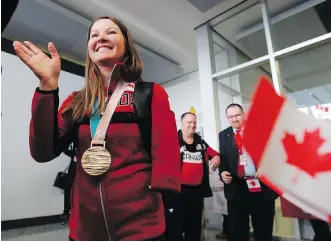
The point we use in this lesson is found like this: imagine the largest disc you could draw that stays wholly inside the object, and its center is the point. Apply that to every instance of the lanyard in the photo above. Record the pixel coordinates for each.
(99, 125)
(95, 118)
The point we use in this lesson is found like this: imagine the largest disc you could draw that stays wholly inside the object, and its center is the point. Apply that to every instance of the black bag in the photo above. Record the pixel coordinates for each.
(62, 180)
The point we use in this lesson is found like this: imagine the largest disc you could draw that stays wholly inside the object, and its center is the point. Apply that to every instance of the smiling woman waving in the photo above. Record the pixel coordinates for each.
(124, 131)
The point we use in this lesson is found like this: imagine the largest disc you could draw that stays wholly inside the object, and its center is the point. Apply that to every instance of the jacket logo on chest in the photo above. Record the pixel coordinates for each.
(192, 157)
(127, 99)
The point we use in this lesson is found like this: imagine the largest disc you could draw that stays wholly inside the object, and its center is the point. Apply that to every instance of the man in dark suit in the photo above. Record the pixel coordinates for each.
(245, 194)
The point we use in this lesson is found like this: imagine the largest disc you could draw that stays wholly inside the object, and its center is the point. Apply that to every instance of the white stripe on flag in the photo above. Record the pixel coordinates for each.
(299, 187)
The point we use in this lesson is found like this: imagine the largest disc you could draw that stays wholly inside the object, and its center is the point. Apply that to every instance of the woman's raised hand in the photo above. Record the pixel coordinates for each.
(45, 68)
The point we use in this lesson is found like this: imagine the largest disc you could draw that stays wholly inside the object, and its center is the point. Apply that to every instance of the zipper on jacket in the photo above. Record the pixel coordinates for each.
(100, 184)
(103, 210)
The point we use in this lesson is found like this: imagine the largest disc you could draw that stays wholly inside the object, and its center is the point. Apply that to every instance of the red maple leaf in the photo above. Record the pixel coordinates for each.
(253, 183)
(305, 155)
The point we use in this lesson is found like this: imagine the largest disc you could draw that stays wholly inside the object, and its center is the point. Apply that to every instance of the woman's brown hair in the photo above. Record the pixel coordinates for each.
(83, 100)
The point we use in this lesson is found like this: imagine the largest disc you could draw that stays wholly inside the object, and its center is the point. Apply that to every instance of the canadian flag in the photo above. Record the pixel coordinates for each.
(320, 107)
(292, 151)
(253, 185)
(292, 211)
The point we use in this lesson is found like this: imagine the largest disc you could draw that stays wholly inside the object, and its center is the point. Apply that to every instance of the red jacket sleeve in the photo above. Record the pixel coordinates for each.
(50, 133)
(209, 151)
(166, 164)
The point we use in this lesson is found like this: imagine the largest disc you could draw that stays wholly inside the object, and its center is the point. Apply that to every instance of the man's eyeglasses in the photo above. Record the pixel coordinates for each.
(235, 116)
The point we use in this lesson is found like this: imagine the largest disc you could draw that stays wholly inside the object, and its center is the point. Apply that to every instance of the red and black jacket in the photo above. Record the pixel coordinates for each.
(207, 154)
(133, 211)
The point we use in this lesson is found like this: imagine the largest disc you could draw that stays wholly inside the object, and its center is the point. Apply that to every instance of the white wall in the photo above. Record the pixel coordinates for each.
(26, 186)
(184, 93)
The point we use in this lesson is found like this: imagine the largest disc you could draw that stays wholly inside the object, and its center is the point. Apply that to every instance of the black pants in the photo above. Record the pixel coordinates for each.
(262, 213)
(225, 224)
(173, 226)
(321, 230)
(189, 212)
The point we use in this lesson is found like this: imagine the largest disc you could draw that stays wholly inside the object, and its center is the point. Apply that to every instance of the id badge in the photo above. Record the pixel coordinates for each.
(242, 160)
(253, 185)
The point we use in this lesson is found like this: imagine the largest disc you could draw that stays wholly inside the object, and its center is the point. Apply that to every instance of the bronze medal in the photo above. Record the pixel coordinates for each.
(96, 160)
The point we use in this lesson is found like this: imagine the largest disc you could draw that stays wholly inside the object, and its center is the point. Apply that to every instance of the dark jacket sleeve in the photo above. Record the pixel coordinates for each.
(166, 164)
(50, 133)
(224, 158)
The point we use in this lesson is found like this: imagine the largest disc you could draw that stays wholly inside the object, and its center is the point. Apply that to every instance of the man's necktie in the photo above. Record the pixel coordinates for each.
(238, 138)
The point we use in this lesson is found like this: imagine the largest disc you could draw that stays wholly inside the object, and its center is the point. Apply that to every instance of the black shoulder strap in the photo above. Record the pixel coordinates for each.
(143, 94)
